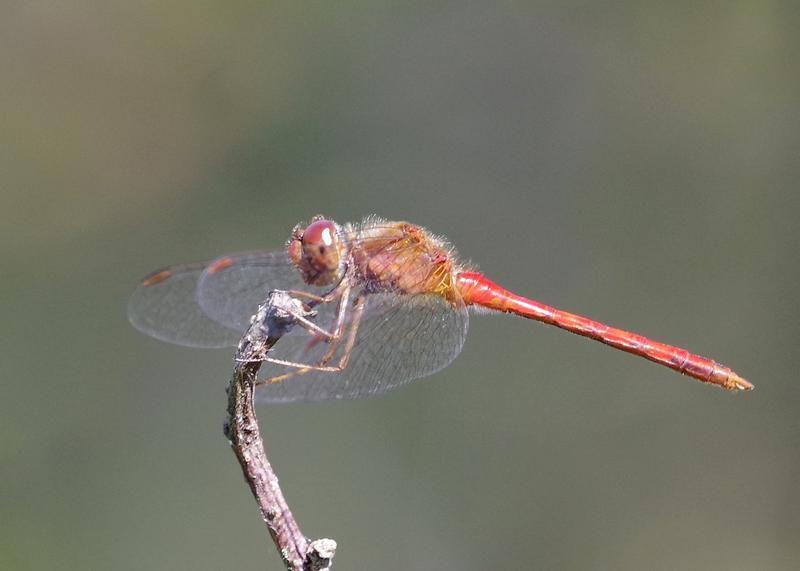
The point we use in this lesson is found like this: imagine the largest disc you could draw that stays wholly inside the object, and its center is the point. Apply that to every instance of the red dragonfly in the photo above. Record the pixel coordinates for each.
(391, 303)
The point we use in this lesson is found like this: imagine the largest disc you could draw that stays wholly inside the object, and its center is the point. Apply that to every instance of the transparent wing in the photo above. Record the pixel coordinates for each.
(209, 304)
(400, 338)
(231, 287)
(164, 306)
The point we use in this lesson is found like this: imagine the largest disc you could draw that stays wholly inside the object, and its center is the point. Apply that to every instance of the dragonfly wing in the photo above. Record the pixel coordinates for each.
(231, 287)
(400, 338)
(164, 306)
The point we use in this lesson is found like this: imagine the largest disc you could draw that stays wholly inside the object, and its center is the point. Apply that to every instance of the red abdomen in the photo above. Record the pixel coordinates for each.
(477, 290)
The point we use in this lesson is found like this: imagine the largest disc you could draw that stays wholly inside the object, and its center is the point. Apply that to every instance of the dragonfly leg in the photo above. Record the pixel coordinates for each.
(332, 338)
(312, 327)
(343, 294)
(341, 325)
(322, 365)
(301, 366)
(327, 298)
(358, 313)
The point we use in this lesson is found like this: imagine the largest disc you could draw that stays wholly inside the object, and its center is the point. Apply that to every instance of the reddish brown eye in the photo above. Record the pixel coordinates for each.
(320, 233)
(320, 243)
(317, 252)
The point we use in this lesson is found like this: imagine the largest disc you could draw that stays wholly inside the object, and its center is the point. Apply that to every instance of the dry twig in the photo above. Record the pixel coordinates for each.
(273, 320)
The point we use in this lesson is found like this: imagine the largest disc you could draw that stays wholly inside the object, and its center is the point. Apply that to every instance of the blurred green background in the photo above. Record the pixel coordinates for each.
(637, 164)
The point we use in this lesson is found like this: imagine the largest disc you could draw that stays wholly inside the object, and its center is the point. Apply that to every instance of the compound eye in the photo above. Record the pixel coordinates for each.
(320, 234)
(320, 244)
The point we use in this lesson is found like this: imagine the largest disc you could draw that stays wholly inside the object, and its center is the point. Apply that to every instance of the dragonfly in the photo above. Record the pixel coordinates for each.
(385, 303)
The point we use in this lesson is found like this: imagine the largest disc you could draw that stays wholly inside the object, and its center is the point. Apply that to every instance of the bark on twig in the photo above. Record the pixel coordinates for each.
(273, 320)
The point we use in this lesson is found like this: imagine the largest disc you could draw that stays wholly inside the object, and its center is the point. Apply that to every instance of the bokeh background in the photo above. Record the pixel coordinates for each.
(637, 164)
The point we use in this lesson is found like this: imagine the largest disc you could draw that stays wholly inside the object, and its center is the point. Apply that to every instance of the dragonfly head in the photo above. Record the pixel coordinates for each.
(318, 251)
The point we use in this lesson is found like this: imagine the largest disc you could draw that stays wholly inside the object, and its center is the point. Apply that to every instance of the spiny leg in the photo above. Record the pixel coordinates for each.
(327, 298)
(358, 312)
(340, 325)
(343, 294)
(333, 339)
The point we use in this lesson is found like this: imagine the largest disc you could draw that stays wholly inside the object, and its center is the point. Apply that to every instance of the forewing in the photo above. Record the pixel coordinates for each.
(231, 288)
(400, 338)
(165, 306)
